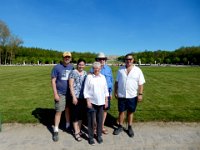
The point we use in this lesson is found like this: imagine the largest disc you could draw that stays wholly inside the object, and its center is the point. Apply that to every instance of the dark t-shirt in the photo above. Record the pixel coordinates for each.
(61, 73)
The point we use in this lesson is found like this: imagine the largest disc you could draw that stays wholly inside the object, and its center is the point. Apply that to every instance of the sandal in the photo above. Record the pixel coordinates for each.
(104, 131)
(77, 137)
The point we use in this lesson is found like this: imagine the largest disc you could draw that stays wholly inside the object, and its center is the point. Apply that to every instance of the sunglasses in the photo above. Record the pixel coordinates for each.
(99, 59)
(67, 57)
(128, 59)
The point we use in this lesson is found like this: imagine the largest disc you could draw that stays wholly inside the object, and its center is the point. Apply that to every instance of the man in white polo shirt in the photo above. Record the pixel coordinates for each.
(129, 91)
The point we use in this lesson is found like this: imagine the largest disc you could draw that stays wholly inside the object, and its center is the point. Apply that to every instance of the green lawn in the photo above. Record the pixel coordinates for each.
(171, 94)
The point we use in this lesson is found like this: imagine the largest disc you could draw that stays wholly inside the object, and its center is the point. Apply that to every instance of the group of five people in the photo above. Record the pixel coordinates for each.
(75, 89)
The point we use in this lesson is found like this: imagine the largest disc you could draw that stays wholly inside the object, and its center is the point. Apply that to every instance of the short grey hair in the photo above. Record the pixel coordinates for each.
(96, 64)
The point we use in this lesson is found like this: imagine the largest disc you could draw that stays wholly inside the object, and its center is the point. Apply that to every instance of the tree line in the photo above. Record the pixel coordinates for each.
(183, 55)
(44, 56)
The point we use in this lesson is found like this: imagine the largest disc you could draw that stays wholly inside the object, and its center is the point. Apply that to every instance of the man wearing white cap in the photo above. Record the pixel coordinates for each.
(59, 80)
(107, 72)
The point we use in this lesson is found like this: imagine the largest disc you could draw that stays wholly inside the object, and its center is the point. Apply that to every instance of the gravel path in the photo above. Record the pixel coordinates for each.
(148, 136)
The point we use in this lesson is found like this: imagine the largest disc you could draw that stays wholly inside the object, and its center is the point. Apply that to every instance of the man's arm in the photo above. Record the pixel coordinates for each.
(140, 92)
(55, 93)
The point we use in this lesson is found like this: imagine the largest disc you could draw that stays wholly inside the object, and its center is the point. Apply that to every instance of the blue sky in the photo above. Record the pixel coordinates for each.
(110, 26)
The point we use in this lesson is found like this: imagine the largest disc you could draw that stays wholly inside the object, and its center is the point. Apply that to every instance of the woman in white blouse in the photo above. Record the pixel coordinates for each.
(96, 94)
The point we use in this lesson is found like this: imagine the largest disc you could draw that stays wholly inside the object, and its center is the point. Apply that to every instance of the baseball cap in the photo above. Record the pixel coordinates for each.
(67, 54)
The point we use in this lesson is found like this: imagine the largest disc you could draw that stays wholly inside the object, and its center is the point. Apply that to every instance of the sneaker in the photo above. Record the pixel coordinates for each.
(55, 136)
(99, 139)
(130, 131)
(118, 130)
(91, 142)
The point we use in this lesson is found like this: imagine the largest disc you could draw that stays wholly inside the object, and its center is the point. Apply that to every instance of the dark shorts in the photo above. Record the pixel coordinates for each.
(129, 104)
(68, 99)
(108, 104)
(78, 111)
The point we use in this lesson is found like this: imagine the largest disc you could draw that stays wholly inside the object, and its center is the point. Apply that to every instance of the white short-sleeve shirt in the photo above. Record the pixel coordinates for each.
(128, 84)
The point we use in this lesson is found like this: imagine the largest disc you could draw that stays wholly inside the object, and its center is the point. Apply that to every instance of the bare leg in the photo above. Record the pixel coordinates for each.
(79, 125)
(57, 119)
(121, 118)
(130, 118)
(104, 118)
(76, 127)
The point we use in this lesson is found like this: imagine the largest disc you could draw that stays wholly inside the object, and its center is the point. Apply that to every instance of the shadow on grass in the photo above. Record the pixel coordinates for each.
(46, 117)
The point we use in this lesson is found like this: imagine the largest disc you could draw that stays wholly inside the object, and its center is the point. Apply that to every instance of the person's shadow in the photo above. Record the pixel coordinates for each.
(46, 117)
(110, 121)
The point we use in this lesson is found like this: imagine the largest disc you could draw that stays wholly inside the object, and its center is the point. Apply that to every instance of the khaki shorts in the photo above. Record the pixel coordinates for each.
(61, 104)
